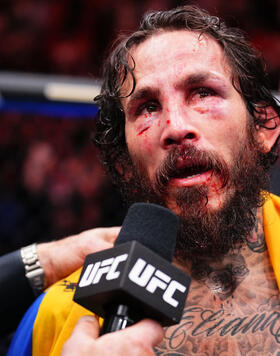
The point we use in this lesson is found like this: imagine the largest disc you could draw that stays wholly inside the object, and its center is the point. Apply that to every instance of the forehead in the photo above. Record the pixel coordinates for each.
(172, 54)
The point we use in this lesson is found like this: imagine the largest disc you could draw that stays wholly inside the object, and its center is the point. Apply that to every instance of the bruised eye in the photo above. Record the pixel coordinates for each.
(147, 108)
(204, 92)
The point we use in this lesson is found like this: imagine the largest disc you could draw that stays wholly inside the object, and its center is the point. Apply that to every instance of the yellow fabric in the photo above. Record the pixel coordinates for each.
(56, 317)
(58, 314)
(271, 221)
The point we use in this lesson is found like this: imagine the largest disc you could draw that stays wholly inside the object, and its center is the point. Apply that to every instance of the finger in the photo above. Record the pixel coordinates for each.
(111, 233)
(87, 326)
(147, 330)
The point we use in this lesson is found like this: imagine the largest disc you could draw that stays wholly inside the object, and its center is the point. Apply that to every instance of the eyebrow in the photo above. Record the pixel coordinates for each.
(200, 77)
(149, 91)
(141, 94)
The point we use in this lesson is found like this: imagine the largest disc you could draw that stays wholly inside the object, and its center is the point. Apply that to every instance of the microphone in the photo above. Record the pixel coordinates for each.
(135, 279)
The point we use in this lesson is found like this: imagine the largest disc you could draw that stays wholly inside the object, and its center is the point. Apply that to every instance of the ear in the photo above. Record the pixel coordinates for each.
(268, 134)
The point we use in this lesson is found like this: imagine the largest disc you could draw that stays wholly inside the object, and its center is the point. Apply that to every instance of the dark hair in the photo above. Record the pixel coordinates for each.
(248, 77)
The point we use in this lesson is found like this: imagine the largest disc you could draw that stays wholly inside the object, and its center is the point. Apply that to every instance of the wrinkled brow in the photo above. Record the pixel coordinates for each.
(148, 92)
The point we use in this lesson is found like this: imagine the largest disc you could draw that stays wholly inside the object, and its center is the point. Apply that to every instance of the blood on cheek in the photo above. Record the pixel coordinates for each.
(147, 121)
(142, 131)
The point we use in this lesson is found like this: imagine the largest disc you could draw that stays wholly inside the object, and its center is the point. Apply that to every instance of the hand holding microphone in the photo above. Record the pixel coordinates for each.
(137, 340)
(135, 279)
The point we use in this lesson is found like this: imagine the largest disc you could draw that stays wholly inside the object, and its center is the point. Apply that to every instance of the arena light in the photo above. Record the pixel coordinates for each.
(51, 95)
(47, 87)
(72, 92)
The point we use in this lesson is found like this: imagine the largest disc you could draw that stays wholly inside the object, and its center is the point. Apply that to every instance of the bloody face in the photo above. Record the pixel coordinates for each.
(188, 135)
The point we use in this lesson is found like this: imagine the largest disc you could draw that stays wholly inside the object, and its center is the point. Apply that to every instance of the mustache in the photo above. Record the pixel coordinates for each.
(186, 160)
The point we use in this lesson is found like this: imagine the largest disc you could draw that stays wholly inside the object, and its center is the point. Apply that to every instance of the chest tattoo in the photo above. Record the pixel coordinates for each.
(222, 281)
(233, 308)
(210, 332)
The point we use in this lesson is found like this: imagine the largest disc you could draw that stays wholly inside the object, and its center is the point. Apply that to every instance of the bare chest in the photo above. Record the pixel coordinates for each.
(229, 313)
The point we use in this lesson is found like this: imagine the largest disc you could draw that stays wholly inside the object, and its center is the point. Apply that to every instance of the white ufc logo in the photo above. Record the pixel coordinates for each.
(94, 272)
(146, 275)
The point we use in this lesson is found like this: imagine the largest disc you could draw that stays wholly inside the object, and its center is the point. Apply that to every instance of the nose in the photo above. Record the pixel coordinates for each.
(179, 128)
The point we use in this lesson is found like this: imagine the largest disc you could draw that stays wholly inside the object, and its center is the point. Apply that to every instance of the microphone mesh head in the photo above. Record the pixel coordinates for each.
(151, 225)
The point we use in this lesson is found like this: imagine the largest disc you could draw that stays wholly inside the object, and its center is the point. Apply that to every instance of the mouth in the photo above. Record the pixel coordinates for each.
(191, 173)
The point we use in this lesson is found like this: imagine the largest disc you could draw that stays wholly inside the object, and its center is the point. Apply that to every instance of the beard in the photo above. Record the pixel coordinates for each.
(205, 232)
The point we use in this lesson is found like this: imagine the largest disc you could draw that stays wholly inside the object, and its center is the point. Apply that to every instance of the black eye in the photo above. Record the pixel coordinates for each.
(204, 92)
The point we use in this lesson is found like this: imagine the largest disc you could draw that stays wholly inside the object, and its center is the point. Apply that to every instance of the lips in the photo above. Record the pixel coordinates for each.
(188, 172)
(188, 168)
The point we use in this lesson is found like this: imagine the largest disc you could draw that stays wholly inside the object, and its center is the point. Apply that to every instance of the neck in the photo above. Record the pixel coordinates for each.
(223, 275)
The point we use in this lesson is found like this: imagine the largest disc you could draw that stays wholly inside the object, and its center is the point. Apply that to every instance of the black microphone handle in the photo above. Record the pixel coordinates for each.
(118, 317)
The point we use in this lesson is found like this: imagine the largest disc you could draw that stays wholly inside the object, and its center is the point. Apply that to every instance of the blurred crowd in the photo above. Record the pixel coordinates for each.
(51, 182)
(72, 36)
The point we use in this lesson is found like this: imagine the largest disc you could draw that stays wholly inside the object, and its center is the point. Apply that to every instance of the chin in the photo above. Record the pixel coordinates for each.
(215, 203)
(197, 201)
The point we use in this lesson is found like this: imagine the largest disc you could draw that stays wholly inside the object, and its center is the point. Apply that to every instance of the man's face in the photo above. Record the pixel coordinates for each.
(184, 101)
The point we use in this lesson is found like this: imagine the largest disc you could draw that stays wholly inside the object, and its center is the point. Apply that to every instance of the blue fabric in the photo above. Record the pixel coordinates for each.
(22, 341)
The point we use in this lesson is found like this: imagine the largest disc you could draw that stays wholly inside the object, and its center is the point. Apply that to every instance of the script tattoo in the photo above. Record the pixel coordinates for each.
(221, 281)
(199, 323)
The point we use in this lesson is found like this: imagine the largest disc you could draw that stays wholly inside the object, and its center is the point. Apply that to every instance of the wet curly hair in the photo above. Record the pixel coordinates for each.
(248, 76)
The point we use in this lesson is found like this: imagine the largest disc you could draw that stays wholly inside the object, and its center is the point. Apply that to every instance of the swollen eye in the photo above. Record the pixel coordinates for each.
(204, 92)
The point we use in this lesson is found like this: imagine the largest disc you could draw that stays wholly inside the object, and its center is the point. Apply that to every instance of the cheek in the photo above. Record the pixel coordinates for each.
(147, 134)
(142, 139)
(146, 145)
(222, 121)
(225, 127)
(146, 122)
(212, 108)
